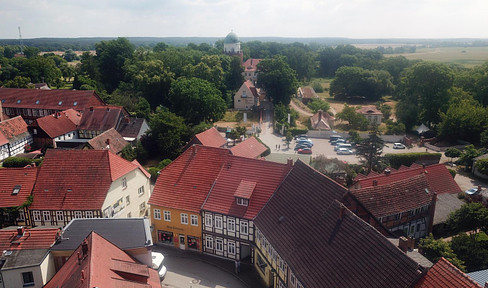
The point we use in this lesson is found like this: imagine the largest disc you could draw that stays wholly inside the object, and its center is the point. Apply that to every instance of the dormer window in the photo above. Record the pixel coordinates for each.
(16, 189)
(37, 101)
(242, 201)
(75, 103)
(18, 101)
(60, 102)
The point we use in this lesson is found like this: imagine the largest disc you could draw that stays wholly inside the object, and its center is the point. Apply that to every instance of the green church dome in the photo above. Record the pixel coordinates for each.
(231, 38)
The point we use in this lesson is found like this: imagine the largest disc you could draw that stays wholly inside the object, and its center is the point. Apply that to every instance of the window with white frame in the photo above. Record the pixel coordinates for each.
(46, 215)
(231, 248)
(194, 220)
(282, 265)
(157, 214)
(21, 215)
(78, 215)
(184, 218)
(124, 182)
(140, 191)
(208, 220)
(219, 244)
(167, 215)
(242, 201)
(218, 222)
(293, 280)
(231, 225)
(244, 228)
(59, 216)
(89, 214)
(209, 242)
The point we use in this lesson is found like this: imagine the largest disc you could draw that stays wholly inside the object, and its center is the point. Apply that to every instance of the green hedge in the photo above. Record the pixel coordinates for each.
(154, 173)
(20, 162)
(482, 166)
(296, 131)
(407, 159)
(453, 172)
(267, 152)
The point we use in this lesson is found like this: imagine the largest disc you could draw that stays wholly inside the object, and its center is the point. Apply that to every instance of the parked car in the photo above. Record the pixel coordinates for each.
(301, 136)
(334, 137)
(303, 145)
(398, 146)
(344, 151)
(157, 264)
(304, 151)
(342, 145)
(473, 191)
(305, 141)
(337, 141)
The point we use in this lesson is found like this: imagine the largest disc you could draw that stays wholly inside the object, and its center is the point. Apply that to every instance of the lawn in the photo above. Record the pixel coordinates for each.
(465, 56)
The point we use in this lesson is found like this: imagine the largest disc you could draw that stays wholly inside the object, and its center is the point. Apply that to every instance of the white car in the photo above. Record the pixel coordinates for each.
(157, 264)
(344, 151)
(398, 146)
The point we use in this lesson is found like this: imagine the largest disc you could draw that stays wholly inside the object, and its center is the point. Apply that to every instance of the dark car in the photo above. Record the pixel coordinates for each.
(304, 151)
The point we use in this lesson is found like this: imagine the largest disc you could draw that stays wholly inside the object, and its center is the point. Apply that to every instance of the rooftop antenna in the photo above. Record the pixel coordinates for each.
(21, 43)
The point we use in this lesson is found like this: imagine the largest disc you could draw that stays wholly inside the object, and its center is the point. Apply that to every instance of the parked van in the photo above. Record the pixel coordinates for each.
(157, 264)
(342, 145)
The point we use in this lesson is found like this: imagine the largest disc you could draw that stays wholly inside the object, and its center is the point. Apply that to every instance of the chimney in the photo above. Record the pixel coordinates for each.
(84, 247)
(289, 162)
(403, 244)
(20, 231)
(375, 182)
(91, 109)
(342, 212)
(387, 171)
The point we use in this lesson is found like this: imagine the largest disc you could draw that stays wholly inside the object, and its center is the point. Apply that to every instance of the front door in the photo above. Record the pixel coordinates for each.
(182, 242)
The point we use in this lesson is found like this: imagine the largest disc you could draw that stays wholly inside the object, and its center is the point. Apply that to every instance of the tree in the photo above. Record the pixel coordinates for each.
(288, 138)
(233, 75)
(467, 156)
(423, 90)
(435, 249)
(196, 100)
(471, 250)
(128, 153)
(278, 80)
(385, 110)
(143, 109)
(168, 133)
(354, 137)
(40, 69)
(470, 217)
(110, 59)
(370, 150)
(356, 120)
(318, 104)
(19, 82)
(452, 153)
(70, 56)
(31, 52)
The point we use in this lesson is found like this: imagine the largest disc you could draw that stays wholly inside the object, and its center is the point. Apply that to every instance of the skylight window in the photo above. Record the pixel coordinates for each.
(18, 101)
(75, 103)
(16, 190)
(37, 101)
(60, 102)
(3, 100)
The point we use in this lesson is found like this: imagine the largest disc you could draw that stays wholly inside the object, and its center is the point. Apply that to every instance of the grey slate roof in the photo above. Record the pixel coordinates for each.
(445, 204)
(479, 276)
(24, 258)
(126, 233)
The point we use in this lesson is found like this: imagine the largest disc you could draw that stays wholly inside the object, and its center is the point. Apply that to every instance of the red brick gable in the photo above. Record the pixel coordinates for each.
(13, 127)
(30, 239)
(22, 178)
(438, 177)
(49, 99)
(185, 183)
(250, 148)
(396, 197)
(445, 275)
(77, 179)
(99, 263)
(57, 124)
(263, 176)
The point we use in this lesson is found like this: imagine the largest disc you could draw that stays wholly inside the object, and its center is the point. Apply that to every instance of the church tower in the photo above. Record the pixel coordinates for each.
(232, 46)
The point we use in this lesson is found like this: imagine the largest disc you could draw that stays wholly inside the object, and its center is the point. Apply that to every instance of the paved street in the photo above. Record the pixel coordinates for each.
(188, 269)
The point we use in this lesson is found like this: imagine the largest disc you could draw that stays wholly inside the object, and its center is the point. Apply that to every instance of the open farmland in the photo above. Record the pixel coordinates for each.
(466, 56)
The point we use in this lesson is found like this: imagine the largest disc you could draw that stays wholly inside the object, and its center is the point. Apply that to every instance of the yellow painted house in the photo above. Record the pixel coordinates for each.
(179, 193)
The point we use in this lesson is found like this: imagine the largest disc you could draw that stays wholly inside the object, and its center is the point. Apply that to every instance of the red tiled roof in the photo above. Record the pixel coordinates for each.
(369, 110)
(3, 139)
(265, 175)
(31, 239)
(210, 137)
(116, 141)
(309, 93)
(11, 178)
(148, 175)
(13, 127)
(251, 64)
(320, 120)
(438, 177)
(303, 223)
(185, 183)
(103, 265)
(102, 118)
(77, 179)
(58, 124)
(251, 87)
(49, 99)
(396, 197)
(445, 275)
(73, 115)
(250, 148)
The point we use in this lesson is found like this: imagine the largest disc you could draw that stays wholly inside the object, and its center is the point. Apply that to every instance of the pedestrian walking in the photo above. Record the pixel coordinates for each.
(237, 265)
(279, 147)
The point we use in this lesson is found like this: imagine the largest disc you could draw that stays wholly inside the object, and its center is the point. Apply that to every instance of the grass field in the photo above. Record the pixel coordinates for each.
(465, 56)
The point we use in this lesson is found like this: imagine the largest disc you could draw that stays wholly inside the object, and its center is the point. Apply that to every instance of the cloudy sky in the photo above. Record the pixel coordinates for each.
(248, 18)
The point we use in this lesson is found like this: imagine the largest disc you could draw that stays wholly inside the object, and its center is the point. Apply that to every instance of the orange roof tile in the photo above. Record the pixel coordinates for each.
(445, 275)
(30, 239)
(13, 127)
(238, 176)
(438, 177)
(185, 183)
(99, 263)
(210, 137)
(251, 64)
(22, 178)
(250, 148)
(49, 99)
(57, 124)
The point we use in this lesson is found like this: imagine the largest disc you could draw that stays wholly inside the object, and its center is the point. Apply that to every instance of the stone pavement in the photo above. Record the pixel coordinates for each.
(248, 275)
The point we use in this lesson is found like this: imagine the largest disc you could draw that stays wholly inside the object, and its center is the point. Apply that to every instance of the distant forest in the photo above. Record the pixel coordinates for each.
(85, 44)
